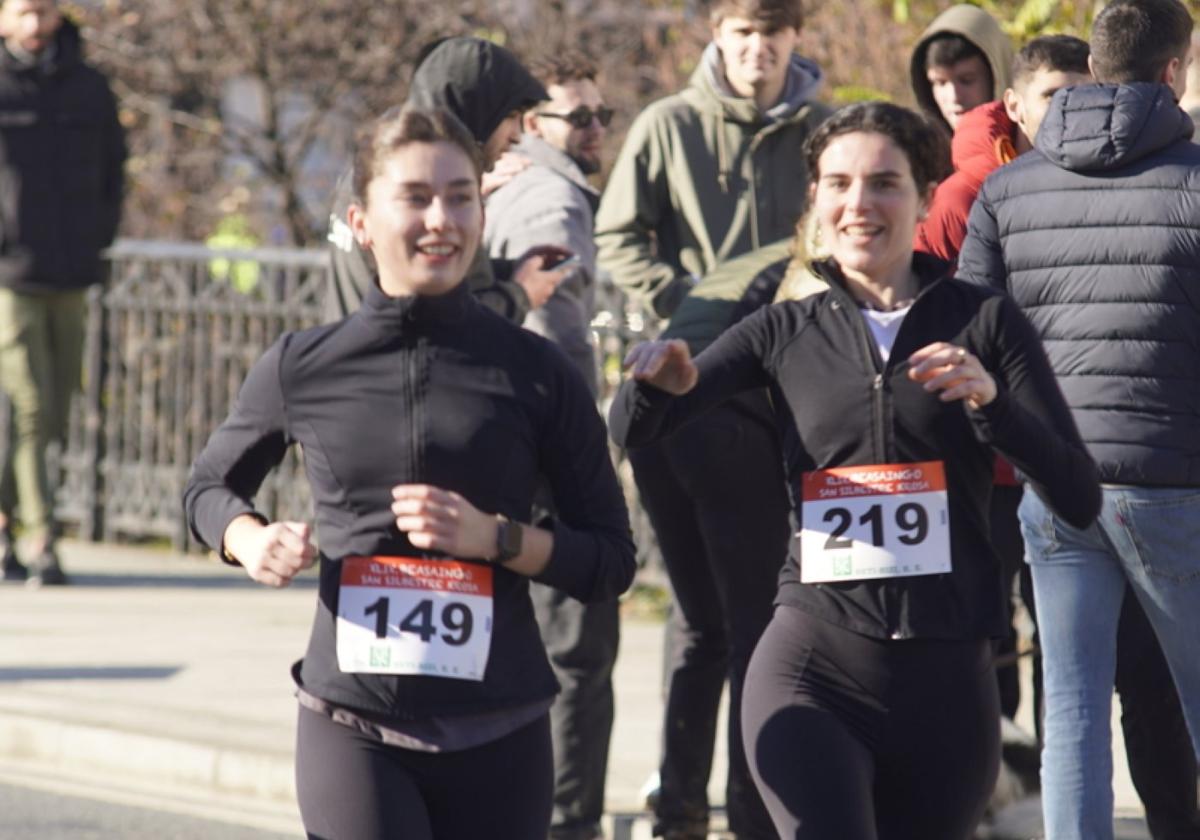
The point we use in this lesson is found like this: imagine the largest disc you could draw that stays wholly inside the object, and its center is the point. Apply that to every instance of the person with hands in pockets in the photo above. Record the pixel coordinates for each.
(870, 707)
(427, 423)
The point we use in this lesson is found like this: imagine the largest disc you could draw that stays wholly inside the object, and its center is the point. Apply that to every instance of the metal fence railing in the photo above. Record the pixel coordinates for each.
(169, 340)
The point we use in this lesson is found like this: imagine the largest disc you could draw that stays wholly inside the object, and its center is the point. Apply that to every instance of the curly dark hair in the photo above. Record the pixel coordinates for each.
(563, 67)
(923, 144)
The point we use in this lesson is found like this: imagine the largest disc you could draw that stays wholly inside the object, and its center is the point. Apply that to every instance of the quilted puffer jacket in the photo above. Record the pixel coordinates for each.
(1096, 235)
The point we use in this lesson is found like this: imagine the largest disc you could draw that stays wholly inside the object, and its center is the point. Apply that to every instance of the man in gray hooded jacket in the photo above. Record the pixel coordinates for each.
(550, 202)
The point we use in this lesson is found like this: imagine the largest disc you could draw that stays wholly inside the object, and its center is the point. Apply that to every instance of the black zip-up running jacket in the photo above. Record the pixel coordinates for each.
(435, 390)
(838, 405)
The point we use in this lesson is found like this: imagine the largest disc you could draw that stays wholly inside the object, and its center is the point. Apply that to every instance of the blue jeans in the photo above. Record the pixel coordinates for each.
(1148, 539)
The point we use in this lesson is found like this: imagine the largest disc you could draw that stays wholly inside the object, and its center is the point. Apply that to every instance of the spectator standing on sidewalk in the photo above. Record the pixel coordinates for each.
(704, 176)
(62, 153)
(1096, 235)
(550, 202)
(488, 90)
(962, 60)
(1190, 101)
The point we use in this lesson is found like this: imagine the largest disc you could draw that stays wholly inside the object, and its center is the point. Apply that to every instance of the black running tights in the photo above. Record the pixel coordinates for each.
(856, 738)
(353, 787)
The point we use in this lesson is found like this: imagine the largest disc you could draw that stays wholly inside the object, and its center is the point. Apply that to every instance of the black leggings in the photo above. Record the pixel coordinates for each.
(870, 739)
(353, 787)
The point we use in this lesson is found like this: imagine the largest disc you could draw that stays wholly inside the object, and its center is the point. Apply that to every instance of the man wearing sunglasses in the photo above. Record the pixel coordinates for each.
(550, 202)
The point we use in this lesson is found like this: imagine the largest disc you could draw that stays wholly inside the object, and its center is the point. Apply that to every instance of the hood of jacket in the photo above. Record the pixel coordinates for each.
(978, 27)
(983, 141)
(479, 82)
(558, 161)
(1093, 128)
(713, 94)
(66, 52)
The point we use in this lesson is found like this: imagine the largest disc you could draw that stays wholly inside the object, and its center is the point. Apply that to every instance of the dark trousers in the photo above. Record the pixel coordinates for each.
(1010, 548)
(581, 641)
(715, 494)
(354, 787)
(857, 738)
(1157, 747)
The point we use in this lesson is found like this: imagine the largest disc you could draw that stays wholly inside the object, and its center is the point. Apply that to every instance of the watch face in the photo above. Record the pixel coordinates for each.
(510, 539)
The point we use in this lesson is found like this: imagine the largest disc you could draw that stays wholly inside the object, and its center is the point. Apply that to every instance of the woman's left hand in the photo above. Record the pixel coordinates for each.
(954, 371)
(442, 520)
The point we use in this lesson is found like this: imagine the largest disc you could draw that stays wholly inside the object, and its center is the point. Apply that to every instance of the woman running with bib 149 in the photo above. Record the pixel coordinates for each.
(426, 422)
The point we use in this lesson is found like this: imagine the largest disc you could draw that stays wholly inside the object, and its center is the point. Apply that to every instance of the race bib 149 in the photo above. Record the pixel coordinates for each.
(401, 615)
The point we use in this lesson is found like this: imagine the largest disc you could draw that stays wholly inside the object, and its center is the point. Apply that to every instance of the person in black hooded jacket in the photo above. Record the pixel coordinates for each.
(487, 89)
(62, 152)
(870, 707)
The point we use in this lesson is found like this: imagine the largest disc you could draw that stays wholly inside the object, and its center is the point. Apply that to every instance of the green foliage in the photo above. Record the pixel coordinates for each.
(845, 94)
(1022, 19)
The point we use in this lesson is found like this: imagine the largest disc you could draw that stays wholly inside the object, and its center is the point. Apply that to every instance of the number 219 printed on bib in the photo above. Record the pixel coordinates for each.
(401, 615)
(874, 521)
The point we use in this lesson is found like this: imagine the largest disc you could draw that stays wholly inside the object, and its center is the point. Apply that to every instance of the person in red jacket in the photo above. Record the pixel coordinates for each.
(992, 134)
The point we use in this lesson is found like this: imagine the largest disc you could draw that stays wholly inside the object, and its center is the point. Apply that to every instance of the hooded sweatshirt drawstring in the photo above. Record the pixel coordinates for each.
(722, 156)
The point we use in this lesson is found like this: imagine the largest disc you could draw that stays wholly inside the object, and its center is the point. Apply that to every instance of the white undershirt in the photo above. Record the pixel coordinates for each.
(884, 327)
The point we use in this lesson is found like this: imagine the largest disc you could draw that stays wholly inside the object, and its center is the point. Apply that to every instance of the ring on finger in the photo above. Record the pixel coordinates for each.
(961, 357)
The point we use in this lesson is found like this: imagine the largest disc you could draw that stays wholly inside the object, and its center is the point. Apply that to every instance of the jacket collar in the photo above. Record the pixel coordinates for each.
(556, 160)
(1093, 128)
(804, 81)
(929, 270)
(381, 309)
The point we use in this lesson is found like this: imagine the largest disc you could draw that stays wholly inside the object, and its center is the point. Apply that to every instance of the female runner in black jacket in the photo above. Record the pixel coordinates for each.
(870, 707)
(426, 423)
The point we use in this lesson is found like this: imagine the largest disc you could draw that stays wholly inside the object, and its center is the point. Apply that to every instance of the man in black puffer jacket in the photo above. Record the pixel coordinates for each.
(1097, 236)
(62, 151)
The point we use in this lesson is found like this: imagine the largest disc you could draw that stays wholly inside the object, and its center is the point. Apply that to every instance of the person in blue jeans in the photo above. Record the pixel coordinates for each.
(1096, 235)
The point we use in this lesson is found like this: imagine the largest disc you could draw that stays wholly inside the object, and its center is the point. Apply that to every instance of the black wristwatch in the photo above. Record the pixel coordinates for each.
(508, 539)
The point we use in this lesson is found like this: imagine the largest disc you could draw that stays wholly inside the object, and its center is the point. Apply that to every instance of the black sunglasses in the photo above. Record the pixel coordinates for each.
(582, 116)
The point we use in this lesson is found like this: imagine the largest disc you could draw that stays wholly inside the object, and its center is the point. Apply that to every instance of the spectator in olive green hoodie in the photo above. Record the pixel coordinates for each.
(715, 170)
(707, 175)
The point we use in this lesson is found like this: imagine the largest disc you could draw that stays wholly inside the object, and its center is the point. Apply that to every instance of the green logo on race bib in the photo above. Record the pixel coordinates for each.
(843, 566)
(381, 657)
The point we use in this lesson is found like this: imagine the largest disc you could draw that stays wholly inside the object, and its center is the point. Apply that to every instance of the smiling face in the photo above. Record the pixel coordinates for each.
(960, 87)
(867, 204)
(756, 56)
(422, 218)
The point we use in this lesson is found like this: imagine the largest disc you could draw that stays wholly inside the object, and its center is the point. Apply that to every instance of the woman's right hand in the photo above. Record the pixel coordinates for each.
(271, 554)
(667, 365)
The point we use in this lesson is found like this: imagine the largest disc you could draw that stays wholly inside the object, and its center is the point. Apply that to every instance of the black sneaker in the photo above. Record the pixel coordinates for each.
(47, 571)
(10, 567)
